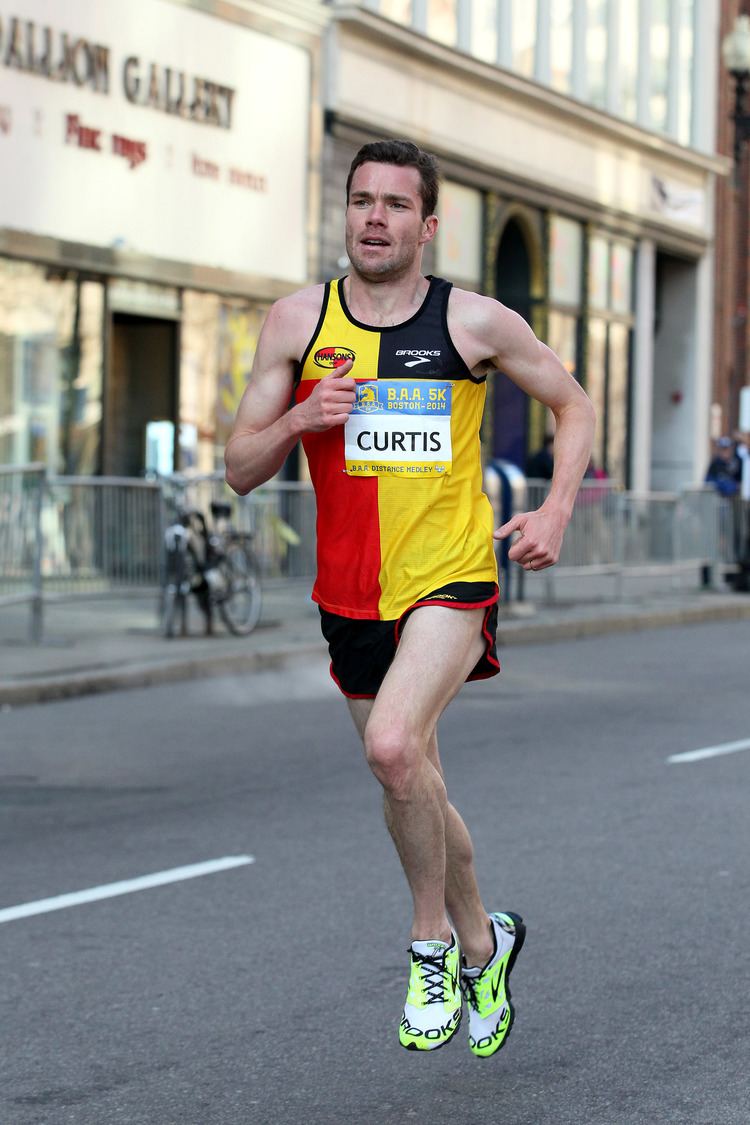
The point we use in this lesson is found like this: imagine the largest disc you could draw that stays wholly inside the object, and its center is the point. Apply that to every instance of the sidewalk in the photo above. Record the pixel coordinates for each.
(109, 644)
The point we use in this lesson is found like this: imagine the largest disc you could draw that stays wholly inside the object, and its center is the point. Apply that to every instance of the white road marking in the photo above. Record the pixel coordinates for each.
(125, 887)
(710, 752)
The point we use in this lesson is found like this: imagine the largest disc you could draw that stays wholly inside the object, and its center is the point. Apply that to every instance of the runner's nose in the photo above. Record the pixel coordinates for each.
(377, 214)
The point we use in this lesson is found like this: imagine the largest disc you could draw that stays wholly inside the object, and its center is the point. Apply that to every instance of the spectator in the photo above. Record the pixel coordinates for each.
(725, 469)
(592, 473)
(540, 464)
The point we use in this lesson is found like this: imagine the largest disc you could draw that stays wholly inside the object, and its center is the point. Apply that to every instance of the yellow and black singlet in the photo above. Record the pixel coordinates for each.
(401, 512)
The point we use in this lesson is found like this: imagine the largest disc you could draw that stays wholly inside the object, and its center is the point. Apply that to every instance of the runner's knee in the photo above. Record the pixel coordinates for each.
(394, 756)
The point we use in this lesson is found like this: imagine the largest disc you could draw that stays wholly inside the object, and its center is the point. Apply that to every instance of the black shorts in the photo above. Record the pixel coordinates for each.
(362, 651)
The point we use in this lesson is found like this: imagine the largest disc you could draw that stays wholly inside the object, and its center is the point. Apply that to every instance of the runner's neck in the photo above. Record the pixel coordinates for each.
(386, 303)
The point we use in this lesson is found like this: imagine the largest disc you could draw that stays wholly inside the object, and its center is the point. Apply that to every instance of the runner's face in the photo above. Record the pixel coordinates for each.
(384, 224)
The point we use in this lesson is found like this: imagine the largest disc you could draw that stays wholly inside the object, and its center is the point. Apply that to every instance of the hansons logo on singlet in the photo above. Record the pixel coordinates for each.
(333, 357)
(400, 426)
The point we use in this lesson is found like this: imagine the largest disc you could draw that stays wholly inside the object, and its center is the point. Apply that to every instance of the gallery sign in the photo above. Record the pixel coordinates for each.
(155, 128)
(64, 57)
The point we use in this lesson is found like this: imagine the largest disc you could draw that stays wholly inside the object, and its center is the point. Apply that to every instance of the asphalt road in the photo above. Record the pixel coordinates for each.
(270, 993)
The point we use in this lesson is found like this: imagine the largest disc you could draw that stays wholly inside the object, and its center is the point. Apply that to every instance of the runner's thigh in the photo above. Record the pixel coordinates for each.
(360, 710)
(438, 649)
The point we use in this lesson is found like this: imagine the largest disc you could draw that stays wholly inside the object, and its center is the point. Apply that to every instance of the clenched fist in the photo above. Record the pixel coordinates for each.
(331, 401)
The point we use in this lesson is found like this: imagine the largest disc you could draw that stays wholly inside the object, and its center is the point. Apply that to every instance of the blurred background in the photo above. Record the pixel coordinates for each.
(170, 167)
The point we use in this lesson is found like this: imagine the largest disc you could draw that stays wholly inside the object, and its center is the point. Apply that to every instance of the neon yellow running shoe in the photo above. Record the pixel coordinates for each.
(432, 1012)
(487, 990)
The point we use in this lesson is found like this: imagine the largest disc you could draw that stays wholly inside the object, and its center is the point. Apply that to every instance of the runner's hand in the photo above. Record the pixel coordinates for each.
(331, 401)
(539, 539)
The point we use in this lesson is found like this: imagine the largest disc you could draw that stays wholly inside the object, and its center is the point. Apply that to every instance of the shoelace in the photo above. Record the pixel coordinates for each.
(433, 969)
(468, 987)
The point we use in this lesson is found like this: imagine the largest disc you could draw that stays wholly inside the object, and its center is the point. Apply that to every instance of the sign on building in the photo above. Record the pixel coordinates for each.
(155, 129)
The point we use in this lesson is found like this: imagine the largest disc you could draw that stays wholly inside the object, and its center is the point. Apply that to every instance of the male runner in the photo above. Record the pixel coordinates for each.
(386, 370)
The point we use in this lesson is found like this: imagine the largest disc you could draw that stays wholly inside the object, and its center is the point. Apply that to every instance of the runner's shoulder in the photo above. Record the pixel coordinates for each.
(309, 299)
(474, 310)
(477, 324)
(295, 316)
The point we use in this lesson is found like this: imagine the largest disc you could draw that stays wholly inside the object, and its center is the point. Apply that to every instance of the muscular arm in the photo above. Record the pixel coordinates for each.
(490, 335)
(266, 430)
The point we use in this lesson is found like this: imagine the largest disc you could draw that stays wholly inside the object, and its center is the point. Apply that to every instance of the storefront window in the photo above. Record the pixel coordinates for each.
(239, 328)
(598, 272)
(199, 379)
(50, 368)
(617, 401)
(459, 239)
(607, 380)
(622, 277)
(566, 245)
(219, 338)
(596, 383)
(562, 337)
(565, 289)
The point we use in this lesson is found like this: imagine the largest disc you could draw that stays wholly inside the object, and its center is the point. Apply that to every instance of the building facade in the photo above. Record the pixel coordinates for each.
(160, 189)
(179, 164)
(577, 143)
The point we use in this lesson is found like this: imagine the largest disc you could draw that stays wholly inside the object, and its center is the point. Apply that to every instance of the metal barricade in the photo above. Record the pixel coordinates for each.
(629, 535)
(21, 496)
(647, 527)
(101, 534)
(591, 539)
(591, 543)
(82, 536)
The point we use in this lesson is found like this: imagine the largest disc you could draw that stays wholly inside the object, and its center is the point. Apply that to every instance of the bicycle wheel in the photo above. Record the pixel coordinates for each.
(240, 605)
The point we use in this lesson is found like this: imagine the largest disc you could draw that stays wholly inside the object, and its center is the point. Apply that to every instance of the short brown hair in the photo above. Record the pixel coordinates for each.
(406, 155)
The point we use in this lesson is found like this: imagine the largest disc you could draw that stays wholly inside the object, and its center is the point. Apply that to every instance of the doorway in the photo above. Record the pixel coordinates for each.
(142, 388)
(674, 392)
(510, 404)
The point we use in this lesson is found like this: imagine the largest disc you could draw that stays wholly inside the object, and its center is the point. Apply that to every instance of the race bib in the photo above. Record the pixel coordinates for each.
(400, 426)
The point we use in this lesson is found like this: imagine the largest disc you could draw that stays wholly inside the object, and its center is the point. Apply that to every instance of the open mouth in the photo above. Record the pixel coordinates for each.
(374, 242)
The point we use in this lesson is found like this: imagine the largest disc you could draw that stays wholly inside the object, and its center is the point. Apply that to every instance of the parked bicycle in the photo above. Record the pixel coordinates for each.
(215, 563)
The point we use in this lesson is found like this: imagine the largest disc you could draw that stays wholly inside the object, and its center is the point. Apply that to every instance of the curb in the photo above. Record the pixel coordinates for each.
(535, 633)
(76, 684)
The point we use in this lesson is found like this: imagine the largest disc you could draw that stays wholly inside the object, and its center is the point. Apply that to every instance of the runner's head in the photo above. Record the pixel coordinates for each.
(405, 155)
(389, 210)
